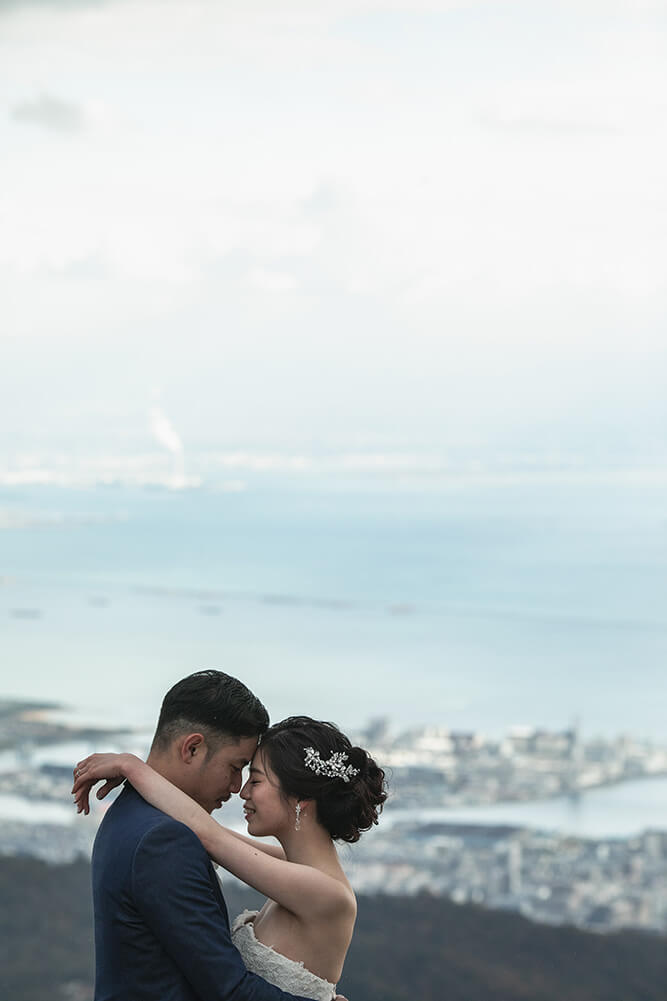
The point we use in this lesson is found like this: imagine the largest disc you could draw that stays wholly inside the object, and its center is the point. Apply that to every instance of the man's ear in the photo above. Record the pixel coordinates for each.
(191, 748)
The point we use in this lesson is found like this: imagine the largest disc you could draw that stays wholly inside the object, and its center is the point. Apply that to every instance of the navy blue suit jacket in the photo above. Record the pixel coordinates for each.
(161, 925)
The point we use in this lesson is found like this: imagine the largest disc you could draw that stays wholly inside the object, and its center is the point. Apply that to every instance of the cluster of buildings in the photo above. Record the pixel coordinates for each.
(435, 767)
(597, 884)
(57, 844)
(45, 782)
(601, 885)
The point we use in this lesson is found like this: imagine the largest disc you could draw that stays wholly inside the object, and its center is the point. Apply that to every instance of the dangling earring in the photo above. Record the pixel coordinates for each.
(297, 826)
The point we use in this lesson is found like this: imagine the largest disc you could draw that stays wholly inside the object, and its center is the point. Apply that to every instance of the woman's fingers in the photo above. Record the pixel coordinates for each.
(80, 781)
(87, 772)
(81, 801)
(78, 772)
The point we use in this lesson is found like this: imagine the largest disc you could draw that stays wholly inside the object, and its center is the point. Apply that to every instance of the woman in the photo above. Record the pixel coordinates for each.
(308, 787)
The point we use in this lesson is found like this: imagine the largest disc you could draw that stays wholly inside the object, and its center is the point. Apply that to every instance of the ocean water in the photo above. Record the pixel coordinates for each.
(616, 811)
(477, 606)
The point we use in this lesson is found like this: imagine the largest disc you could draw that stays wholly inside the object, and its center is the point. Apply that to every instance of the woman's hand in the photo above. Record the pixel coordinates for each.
(113, 768)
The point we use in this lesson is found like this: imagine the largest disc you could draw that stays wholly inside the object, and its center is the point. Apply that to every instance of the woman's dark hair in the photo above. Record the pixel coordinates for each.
(344, 808)
(219, 706)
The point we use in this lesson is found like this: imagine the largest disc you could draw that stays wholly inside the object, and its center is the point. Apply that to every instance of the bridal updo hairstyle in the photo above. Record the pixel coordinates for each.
(344, 809)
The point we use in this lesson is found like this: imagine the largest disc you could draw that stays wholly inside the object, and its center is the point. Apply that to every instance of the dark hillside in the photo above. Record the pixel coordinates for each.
(430, 949)
(405, 949)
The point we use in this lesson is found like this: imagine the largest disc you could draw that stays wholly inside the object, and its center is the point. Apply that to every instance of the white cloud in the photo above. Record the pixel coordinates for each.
(49, 112)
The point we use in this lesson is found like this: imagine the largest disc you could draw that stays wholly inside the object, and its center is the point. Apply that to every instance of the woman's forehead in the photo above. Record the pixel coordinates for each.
(260, 764)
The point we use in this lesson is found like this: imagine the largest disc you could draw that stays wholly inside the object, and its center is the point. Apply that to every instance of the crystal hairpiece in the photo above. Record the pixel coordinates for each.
(334, 767)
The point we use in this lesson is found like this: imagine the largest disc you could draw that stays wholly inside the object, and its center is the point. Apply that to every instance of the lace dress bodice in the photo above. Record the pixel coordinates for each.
(274, 967)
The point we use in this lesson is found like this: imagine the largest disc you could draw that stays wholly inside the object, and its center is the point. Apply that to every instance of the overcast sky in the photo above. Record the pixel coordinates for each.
(354, 223)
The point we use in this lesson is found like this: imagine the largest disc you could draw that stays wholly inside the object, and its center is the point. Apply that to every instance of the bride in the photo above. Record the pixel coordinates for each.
(307, 787)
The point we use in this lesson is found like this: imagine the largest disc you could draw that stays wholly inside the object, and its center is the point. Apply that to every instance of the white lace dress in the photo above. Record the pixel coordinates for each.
(274, 967)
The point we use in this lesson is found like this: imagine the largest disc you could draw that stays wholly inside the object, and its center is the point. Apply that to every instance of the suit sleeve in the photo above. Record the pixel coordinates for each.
(174, 895)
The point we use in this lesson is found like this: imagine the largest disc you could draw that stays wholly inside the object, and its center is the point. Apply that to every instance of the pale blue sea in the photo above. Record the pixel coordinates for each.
(477, 606)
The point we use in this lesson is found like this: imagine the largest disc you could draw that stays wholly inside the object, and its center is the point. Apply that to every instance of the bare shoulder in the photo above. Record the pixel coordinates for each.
(337, 898)
(349, 901)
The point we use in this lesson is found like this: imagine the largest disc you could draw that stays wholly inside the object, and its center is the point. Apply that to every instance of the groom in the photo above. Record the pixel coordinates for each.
(161, 924)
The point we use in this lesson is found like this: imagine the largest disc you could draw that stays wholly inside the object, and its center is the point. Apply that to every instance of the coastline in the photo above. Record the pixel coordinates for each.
(616, 810)
(35, 782)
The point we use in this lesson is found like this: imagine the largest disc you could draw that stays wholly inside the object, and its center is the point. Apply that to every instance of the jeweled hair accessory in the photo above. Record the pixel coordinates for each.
(334, 767)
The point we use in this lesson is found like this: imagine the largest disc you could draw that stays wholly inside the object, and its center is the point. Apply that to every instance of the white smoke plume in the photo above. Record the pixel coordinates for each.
(166, 435)
(164, 432)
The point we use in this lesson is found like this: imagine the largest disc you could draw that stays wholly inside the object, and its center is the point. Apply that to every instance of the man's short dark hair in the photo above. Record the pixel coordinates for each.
(214, 704)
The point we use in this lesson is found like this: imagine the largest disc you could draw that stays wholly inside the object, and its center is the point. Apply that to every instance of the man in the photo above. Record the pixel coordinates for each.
(161, 924)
